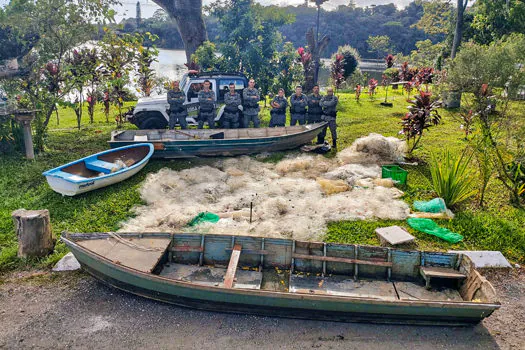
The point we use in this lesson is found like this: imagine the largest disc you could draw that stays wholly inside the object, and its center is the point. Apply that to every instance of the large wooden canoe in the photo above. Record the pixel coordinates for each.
(218, 142)
(288, 278)
(99, 170)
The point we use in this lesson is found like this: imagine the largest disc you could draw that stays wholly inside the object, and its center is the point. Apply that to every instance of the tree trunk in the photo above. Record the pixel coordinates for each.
(458, 33)
(33, 230)
(188, 16)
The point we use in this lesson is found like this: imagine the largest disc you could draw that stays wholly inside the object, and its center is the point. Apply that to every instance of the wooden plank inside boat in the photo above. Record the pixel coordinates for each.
(232, 267)
(141, 254)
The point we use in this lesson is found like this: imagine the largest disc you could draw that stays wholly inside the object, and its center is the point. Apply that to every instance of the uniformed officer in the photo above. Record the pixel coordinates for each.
(329, 105)
(315, 112)
(278, 112)
(177, 111)
(298, 104)
(232, 100)
(207, 106)
(251, 109)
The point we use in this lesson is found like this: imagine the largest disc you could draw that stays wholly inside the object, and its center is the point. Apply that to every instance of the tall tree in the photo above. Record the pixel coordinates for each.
(188, 16)
(458, 31)
(316, 49)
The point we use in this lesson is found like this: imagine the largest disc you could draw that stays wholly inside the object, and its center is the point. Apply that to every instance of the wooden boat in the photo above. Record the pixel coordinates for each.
(218, 142)
(288, 278)
(99, 170)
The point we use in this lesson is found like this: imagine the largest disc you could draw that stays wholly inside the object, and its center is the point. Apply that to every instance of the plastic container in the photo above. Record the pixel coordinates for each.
(394, 172)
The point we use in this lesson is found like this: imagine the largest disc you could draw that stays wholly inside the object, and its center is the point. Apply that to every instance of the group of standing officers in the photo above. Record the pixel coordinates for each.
(303, 109)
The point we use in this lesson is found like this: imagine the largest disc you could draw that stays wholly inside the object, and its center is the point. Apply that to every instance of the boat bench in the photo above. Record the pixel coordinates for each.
(99, 165)
(429, 272)
(68, 176)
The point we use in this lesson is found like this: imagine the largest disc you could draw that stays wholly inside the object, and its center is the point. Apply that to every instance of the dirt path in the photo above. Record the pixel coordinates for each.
(71, 310)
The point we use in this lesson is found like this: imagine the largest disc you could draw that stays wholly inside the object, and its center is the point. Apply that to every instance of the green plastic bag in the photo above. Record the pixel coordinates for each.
(430, 227)
(436, 205)
(204, 217)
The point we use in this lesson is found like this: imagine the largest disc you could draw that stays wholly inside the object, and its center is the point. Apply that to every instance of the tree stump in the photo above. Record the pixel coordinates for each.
(33, 229)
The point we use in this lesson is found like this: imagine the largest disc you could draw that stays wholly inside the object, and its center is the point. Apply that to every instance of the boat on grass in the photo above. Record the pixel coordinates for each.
(218, 142)
(289, 278)
(99, 170)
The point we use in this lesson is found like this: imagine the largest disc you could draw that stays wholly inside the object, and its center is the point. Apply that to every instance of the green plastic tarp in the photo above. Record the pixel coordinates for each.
(204, 217)
(430, 227)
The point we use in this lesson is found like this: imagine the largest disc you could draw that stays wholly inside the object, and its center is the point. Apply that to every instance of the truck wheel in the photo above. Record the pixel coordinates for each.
(151, 120)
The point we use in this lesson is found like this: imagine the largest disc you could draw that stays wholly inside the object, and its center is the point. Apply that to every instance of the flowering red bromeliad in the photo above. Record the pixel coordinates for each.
(421, 115)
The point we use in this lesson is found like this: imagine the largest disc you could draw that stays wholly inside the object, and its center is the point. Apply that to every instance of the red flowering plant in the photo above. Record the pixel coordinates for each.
(389, 60)
(424, 76)
(338, 71)
(358, 92)
(372, 84)
(421, 115)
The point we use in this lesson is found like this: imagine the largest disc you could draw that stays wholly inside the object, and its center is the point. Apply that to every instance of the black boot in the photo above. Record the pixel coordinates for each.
(334, 144)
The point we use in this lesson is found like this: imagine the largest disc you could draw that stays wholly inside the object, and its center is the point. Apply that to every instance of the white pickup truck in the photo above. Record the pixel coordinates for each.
(152, 112)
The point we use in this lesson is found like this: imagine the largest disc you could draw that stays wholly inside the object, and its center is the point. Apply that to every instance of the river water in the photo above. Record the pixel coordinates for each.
(171, 65)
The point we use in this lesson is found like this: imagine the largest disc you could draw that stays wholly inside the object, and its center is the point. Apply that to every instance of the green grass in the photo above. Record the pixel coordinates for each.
(498, 227)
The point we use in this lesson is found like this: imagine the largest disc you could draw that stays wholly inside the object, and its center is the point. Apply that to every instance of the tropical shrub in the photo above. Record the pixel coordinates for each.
(389, 60)
(372, 85)
(337, 71)
(451, 177)
(421, 115)
(350, 59)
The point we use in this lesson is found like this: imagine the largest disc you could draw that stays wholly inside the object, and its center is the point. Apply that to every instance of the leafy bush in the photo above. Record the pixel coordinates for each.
(350, 59)
(420, 116)
(451, 177)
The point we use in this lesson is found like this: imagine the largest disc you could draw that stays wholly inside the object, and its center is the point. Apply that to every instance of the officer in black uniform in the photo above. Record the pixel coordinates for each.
(177, 111)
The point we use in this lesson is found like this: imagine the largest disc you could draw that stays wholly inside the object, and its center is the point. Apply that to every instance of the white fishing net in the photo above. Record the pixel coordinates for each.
(294, 198)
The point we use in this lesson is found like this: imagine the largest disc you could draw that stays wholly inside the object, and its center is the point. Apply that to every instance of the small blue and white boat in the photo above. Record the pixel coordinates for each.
(99, 170)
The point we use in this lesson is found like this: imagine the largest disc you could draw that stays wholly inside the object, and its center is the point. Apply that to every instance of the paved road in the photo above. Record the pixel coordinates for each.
(74, 311)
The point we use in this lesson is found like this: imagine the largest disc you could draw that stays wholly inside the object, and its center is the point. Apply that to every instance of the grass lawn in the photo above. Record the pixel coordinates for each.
(497, 227)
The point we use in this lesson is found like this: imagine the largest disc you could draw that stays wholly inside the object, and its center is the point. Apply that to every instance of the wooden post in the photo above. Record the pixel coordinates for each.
(25, 118)
(33, 229)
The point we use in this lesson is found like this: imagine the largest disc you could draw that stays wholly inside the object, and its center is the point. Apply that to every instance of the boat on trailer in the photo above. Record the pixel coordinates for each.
(218, 142)
(289, 278)
(99, 170)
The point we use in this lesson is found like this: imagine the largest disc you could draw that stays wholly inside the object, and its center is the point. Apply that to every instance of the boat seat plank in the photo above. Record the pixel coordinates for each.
(99, 165)
(441, 272)
(343, 260)
(338, 285)
(429, 272)
(211, 276)
(413, 291)
(68, 176)
(232, 266)
(144, 258)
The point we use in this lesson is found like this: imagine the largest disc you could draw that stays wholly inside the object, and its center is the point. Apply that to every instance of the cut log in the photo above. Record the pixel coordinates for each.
(33, 229)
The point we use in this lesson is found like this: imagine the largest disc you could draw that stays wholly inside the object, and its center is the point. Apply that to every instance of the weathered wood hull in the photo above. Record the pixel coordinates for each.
(281, 304)
(206, 147)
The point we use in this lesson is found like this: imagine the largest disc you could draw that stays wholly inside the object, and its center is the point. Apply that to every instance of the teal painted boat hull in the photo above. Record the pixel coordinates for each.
(280, 304)
(197, 143)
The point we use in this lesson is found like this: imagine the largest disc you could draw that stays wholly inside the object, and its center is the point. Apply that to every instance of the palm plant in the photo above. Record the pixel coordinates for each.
(451, 177)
